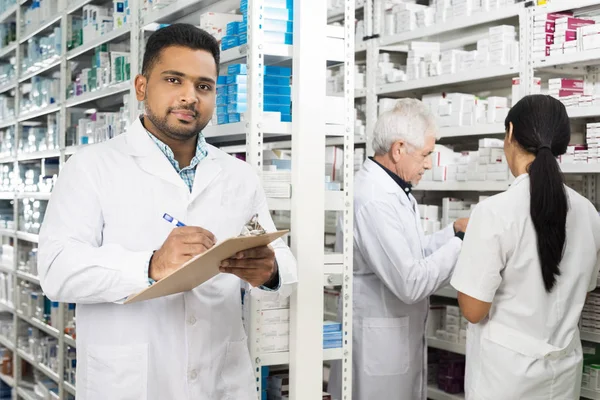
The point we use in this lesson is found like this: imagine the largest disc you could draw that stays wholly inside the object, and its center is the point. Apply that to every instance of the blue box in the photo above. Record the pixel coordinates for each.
(233, 118)
(231, 79)
(222, 80)
(221, 89)
(233, 90)
(243, 28)
(332, 335)
(233, 28)
(331, 326)
(284, 109)
(237, 69)
(276, 81)
(238, 98)
(243, 39)
(229, 42)
(277, 25)
(274, 99)
(286, 117)
(332, 344)
(279, 37)
(222, 119)
(237, 108)
(277, 90)
(270, 3)
(285, 14)
(222, 109)
(222, 100)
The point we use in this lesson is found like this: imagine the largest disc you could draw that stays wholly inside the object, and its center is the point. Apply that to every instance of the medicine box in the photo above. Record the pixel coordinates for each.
(453, 310)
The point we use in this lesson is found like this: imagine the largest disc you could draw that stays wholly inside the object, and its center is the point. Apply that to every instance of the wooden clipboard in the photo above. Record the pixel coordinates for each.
(203, 267)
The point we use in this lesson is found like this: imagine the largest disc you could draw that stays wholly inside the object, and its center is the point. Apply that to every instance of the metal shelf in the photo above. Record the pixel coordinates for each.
(463, 77)
(50, 330)
(41, 28)
(237, 130)
(38, 155)
(29, 277)
(455, 24)
(583, 112)
(40, 70)
(92, 44)
(448, 346)
(9, 380)
(7, 123)
(69, 388)
(12, 10)
(472, 130)
(580, 168)
(454, 186)
(580, 58)
(74, 6)
(39, 113)
(4, 341)
(434, 393)
(70, 150)
(70, 341)
(29, 237)
(7, 50)
(590, 394)
(41, 367)
(34, 195)
(8, 86)
(99, 94)
(181, 8)
(7, 195)
(274, 53)
(564, 5)
(359, 93)
(334, 201)
(283, 358)
(590, 336)
(7, 232)
(27, 394)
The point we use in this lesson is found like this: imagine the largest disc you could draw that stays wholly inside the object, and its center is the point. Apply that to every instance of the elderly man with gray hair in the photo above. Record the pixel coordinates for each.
(396, 266)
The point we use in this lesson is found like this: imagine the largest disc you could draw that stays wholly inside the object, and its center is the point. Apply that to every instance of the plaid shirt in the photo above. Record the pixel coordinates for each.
(188, 173)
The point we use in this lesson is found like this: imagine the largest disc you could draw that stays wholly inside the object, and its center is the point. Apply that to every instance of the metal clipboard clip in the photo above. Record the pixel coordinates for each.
(252, 227)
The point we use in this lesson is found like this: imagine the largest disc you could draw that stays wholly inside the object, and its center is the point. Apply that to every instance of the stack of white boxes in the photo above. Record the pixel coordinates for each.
(277, 173)
(460, 109)
(588, 37)
(97, 21)
(516, 88)
(420, 56)
(360, 128)
(216, 23)
(401, 18)
(275, 324)
(448, 324)
(486, 164)
(443, 10)
(388, 72)
(590, 316)
(430, 218)
(582, 153)
(566, 90)
(503, 45)
(451, 61)
(565, 34)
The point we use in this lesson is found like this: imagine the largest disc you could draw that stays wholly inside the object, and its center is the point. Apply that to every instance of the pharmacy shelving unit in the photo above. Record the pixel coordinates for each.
(459, 32)
(311, 130)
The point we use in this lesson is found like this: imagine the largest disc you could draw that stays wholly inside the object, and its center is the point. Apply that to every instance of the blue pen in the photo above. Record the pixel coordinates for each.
(173, 221)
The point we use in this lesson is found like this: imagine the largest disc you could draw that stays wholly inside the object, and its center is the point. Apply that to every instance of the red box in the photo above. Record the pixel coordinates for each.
(571, 84)
(574, 23)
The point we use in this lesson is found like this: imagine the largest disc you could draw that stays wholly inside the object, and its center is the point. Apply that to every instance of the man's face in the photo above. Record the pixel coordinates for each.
(414, 162)
(179, 92)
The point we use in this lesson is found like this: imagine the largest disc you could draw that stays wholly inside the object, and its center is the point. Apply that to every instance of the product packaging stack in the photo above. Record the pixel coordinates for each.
(277, 24)
(588, 37)
(447, 323)
(577, 92)
(447, 371)
(544, 28)
(420, 57)
(216, 23)
(430, 218)
(232, 94)
(591, 366)
(276, 381)
(516, 88)
(443, 10)
(332, 335)
(590, 316)
(460, 109)
(277, 173)
(566, 34)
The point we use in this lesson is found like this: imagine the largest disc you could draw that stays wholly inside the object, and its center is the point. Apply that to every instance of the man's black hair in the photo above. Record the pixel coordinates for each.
(184, 35)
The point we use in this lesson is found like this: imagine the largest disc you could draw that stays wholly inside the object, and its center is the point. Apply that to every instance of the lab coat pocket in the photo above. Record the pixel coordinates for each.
(385, 346)
(117, 372)
(236, 372)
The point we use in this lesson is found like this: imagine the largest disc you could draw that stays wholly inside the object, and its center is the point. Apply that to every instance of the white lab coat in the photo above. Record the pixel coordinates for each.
(102, 223)
(396, 269)
(528, 348)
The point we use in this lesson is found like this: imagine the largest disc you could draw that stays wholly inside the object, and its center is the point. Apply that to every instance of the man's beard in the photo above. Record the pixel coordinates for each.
(175, 132)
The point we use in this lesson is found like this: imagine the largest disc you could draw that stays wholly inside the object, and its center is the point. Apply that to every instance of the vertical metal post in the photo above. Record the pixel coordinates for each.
(348, 214)
(254, 152)
(372, 60)
(308, 198)
(137, 53)
(525, 58)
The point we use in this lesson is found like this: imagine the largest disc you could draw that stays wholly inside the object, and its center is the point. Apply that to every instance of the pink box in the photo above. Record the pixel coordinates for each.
(569, 92)
(555, 16)
(573, 23)
(570, 84)
(549, 39)
(550, 26)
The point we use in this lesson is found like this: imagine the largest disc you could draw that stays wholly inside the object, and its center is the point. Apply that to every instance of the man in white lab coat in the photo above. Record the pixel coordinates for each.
(396, 266)
(104, 239)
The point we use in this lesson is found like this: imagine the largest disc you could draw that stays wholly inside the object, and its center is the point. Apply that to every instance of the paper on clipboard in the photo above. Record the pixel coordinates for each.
(203, 267)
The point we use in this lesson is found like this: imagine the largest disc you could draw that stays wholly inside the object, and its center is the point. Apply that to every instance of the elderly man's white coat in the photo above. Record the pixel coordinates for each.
(396, 269)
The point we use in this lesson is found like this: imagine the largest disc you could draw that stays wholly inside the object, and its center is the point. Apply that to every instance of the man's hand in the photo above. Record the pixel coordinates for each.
(255, 266)
(460, 225)
(181, 245)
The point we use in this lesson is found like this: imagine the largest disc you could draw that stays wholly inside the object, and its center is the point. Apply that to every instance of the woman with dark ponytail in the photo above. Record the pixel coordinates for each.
(529, 257)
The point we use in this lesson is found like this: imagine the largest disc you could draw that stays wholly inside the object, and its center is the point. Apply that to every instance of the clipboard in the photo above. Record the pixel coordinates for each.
(203, 267)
